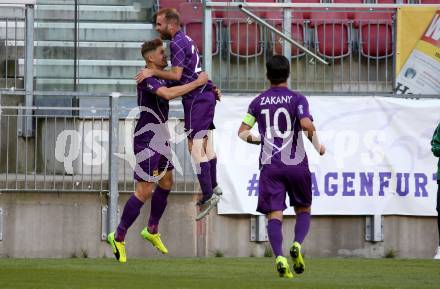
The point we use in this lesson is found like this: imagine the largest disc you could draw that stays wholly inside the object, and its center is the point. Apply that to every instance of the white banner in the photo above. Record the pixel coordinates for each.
(378, 158)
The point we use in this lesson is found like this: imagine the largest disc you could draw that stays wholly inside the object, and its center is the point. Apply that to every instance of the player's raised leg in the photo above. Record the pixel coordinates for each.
(212, 157)
(302, 226)
(203, 169)
(198, 154)
(131, 212)
(158, 206)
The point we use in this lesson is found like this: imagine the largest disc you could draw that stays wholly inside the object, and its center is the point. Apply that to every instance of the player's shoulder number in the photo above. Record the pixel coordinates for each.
(194, 50)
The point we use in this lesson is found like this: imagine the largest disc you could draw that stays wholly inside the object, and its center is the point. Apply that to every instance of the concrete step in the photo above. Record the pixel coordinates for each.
(93, 13)
(87, 85)
(65, 50)
(142, 3)
(63, 68)
(88, 31)
(11, 12)
(48, 9)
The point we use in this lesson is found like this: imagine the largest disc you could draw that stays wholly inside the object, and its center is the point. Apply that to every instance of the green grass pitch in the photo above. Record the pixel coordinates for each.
(210, 273)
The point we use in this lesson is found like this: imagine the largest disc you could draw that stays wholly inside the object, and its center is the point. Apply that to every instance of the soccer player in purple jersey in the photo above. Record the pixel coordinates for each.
(198, 105)
(282, 115)
(152, 151)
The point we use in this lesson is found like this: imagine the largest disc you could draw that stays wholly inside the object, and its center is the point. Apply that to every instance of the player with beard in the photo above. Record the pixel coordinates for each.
(198, 105)
(152, 151)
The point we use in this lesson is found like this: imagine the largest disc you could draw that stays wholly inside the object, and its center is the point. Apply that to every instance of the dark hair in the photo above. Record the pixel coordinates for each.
(151, 45)
(170, 14)
(278, 69)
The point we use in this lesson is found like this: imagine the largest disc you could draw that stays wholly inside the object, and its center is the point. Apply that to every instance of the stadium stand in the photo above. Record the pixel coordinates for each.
(298, 31)
(260, 1)
(349, 1)
(170, 3)
(386, 2)
(429, 1)
(375, 34)
(245, 37)
(192, 21)
(332, 33)
(111, 32)
(306, 11)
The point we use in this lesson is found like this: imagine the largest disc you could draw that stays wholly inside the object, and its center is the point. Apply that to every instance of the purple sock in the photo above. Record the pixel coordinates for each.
(213, 164)
(131, 212)
(158, 205)
(205, 180)
(275, 236)
(301, 226)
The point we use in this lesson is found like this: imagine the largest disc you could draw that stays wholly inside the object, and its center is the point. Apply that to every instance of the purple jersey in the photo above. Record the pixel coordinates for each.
(278, 112)
(153, 110)
(184, 53)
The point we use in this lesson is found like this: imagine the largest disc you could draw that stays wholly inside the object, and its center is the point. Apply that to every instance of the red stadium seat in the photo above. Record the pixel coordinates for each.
(375, 33)
(260, 1)
(349, 1)
(350, 12)
(306, 11)
(306, 1)
(245, 35)
(275, 18)
(429, 1)
(171, 3)
(216, 11)
(191, 15)
(332, 33)
(386, 1)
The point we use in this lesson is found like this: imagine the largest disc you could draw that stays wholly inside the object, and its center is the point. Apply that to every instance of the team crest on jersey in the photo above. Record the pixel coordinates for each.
(155, 173)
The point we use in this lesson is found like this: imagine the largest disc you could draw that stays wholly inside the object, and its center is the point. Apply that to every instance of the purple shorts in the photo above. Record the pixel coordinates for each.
(274, 183)
(199, 114)
(151, 165)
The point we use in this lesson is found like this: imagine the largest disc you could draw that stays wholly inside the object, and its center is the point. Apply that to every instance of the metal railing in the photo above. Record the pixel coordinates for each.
(70, 148)
(78, 149)
(16, 25)
(359, 45)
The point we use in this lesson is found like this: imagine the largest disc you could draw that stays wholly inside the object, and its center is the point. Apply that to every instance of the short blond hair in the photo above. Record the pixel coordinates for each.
(170, 14)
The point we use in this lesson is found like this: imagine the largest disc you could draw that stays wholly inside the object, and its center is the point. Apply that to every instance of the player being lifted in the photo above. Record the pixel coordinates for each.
(198, 105)
(152, 151)
(282, 115)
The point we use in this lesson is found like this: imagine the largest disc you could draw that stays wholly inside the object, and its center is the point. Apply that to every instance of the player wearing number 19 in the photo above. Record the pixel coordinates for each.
(282, 115)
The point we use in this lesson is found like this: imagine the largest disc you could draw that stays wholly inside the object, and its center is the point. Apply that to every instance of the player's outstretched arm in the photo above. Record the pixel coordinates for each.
(244, 132)
(309, 128)
(174, 74)
(176, 91)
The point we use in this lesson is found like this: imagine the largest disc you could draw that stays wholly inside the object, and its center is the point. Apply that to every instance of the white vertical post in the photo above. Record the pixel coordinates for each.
(287, 29)
(207, 39)
(29, 69)
(113, 162)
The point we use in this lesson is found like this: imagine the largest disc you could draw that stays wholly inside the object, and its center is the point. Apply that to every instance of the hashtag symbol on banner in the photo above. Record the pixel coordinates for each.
(253, 186)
